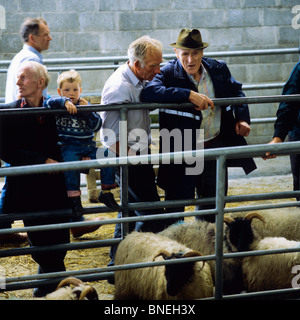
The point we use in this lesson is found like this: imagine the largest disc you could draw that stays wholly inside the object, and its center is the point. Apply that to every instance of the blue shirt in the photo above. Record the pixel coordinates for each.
(28, 53)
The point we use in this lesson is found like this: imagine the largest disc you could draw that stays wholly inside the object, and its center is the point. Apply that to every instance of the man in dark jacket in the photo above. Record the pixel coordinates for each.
(288, 123)
(28, 140)
(187, 79)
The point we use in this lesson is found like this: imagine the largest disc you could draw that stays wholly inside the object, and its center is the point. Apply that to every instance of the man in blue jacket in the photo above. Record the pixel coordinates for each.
(288, 124)
(187, 79)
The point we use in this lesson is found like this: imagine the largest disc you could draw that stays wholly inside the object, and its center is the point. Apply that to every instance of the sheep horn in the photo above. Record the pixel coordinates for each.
(254, 215)
(228, 219)
(192, 254)
(66, 282)
(163, 253)
(89, 292)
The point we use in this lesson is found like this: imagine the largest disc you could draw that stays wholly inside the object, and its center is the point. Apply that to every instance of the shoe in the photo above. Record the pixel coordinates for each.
(80, 231)
(13, 238)
(108, 199)
(77, 208)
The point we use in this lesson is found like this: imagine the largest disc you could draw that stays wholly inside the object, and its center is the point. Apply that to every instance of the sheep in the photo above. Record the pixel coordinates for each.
(269, 272)
(200, 236)
(283, 222)
(71, 289)
(191, 280)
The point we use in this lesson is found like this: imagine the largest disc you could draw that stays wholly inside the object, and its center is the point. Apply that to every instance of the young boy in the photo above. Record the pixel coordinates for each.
(76, 133)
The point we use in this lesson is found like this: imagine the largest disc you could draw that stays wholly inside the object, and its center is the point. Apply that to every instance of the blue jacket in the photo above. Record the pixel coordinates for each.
(288, 113)
(173, 85)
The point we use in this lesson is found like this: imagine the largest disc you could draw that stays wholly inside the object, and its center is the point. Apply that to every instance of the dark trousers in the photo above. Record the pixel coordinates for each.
(141, 188)
(295, 168)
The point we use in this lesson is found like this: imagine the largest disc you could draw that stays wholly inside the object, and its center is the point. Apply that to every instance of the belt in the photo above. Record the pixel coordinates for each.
(210, 142)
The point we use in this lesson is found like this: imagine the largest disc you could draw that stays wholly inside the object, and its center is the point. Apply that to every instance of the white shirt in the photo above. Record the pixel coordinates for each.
(124, 87)
(28, 53)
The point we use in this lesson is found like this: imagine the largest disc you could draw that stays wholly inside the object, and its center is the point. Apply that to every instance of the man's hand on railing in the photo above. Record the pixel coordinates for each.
(200, 101)
(268, 155)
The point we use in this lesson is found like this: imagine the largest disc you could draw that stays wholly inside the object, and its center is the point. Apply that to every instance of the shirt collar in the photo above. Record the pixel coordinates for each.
(133, 78)
(30, 48)
(202, 76)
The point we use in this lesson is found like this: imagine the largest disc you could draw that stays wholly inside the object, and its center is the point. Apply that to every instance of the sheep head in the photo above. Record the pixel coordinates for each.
(239, 231)
(177, 275)
(79, 288)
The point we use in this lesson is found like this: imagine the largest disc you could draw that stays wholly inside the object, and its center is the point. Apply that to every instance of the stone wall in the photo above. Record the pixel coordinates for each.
(93, 28)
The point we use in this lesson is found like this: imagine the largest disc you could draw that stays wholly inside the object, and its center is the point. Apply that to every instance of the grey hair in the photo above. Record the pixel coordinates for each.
(31, 26)
(39, 70)
(137, 49)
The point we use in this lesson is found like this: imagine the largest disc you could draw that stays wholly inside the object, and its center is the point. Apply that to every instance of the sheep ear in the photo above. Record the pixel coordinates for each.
(68, 281)
(163, 253)
(228, 220)
(254, 215)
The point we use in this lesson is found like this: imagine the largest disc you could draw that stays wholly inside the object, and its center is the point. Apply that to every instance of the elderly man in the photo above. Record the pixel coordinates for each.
(27, 140)
(36, 36)
(125, 86)
(187, 79)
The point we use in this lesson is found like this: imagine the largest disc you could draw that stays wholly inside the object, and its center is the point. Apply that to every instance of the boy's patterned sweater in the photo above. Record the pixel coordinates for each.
(74, 129)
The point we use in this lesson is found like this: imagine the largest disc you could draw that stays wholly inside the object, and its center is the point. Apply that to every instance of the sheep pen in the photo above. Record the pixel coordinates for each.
(99, 257)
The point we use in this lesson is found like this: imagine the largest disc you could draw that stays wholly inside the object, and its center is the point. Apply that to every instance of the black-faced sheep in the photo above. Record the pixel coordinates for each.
(200, 236)
(191, 280)
(269, 272)
(72, 289)
(282, 222)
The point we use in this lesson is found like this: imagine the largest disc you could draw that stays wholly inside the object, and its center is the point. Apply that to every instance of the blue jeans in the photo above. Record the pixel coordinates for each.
(75, 153)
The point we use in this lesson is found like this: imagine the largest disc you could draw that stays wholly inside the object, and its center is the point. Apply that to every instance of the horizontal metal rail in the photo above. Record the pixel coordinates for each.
(118, 59)
(153, 106)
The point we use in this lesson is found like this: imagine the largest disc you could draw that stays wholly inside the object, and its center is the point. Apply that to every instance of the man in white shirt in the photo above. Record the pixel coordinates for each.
(36, 36)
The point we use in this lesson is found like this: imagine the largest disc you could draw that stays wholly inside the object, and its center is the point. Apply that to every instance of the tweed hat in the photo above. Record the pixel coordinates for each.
(189, 39)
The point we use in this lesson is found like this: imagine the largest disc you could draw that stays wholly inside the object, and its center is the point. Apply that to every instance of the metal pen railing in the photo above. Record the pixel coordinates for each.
(112, 62)
(220, 154)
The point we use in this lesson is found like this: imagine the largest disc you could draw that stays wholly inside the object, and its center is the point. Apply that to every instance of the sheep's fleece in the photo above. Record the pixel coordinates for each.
(150, 283)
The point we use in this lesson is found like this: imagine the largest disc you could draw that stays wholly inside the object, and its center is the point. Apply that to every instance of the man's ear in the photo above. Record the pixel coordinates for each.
(137, 64)
(41, 82)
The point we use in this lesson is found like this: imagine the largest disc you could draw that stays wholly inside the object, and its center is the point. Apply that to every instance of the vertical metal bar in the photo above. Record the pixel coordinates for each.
(220, 201)
(123, 145)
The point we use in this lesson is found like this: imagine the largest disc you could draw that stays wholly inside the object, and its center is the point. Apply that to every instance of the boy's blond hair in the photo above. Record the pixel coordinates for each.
(68, 76)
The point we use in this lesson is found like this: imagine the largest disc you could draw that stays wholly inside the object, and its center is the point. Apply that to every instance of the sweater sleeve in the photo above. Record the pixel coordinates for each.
(93, 121)
(55, 103)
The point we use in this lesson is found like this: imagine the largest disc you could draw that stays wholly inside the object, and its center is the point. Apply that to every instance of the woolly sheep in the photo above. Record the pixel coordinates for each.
(176, 282)
(200, 236)
(72, 289)
(282, 222)
(269, 272)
